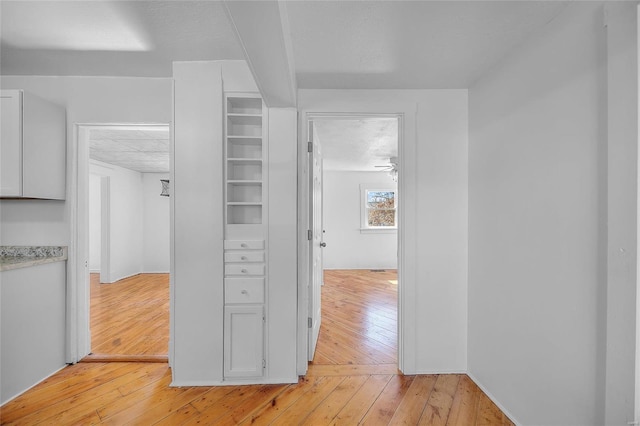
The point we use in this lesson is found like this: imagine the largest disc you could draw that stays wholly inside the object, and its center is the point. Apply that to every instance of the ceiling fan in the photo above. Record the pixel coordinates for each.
(392, 168)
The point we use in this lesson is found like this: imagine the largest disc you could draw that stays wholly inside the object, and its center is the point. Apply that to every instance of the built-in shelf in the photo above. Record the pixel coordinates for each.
(244, 154)
(245, 267)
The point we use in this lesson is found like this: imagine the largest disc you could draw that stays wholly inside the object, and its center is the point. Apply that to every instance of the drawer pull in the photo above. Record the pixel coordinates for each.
(244, 292)
(243, 258)
(243, 245)
(244, 271)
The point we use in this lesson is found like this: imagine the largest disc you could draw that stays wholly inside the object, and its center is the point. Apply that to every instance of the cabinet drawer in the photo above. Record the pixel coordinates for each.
(244, 290)
(255, 256)
(244, 245)
(244, 269)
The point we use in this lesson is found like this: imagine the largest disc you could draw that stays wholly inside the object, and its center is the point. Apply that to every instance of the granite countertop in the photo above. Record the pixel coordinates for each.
(14, 257)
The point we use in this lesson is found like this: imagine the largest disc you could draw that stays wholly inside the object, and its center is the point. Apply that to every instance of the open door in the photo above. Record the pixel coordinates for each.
(315, 241)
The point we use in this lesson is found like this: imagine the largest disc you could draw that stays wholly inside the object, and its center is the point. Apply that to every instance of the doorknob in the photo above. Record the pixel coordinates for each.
(323, 244)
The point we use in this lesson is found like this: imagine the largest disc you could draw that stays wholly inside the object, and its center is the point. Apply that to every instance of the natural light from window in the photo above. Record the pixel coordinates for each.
(379, 209)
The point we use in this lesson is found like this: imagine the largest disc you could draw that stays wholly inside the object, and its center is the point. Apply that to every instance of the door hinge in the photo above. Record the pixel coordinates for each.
(309, 146)
(310, 322)
(264, 318)
(309, 234)
(264, 363)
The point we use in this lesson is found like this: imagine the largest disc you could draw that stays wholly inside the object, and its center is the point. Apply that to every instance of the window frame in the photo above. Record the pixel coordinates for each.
(365, 189)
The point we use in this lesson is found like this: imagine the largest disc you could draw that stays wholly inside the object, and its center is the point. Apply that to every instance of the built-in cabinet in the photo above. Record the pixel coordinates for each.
(245, 283)
(32, 147)
(234, 235)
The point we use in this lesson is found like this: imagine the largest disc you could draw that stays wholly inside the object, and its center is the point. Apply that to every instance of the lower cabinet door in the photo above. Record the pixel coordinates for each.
(243, 341)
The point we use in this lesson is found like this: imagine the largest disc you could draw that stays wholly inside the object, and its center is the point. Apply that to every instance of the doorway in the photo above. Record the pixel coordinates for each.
(358, 241)
(123, 290)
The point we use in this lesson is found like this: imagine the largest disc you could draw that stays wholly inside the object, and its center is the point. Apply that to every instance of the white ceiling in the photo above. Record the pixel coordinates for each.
(356, 144)
(113, 38)
(365, 44)
(144, 149)
(407, 44)
(334, 44)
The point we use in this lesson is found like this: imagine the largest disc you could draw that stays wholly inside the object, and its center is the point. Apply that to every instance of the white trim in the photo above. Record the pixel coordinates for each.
(252, 381)
(78, 333)
(380, 230)
(492, 398)
(405, 217)
(105, 229)
(637, 387)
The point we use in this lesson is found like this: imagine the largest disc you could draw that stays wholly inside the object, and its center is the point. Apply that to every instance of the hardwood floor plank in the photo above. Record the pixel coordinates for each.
(150, 390)
(297, 413)
(130, 316)
(488, 413)
(385, 406)
(179, 417)
(211, 413)
(439, 403)
(209, 397)
(155, 409)
(39, 398)
(358, 406)
(339, 387)
(351, 370)
(331, 406)
(464, 408)
(274, 408)
(250, 405)
(412, 405)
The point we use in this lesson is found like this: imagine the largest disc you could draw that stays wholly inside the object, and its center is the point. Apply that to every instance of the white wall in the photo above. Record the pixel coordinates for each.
(348, 247)
(87, 100)
(156, 225)
(537, 200)
(126, 195)
(95, 227)
(139, 228)
(433, 234)
(622, 191)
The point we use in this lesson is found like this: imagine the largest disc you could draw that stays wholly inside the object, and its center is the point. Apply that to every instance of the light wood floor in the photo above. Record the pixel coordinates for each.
(365, 389)
(359, 318)
(130, 316)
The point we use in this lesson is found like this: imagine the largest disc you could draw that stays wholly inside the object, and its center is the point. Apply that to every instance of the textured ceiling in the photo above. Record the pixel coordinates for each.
(116, 38)
(407, 44)
(143, 150)
(356, 144)
(366, 44)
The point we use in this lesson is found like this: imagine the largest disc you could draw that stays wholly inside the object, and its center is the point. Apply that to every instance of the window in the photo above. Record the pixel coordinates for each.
(378, 208)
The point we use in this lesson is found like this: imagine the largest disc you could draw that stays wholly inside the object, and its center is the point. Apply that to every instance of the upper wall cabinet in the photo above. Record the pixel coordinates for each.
(32, 147)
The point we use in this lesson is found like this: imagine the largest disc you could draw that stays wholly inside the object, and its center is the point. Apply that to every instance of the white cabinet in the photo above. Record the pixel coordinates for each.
(243, 341)
(245, 268)
(244, 297)
(32, 147)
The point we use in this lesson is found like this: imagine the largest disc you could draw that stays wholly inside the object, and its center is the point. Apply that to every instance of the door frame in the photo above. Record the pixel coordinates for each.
(78, 343)
(406, 291)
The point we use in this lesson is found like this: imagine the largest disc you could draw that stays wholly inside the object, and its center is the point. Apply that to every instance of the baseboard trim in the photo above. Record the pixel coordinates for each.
(494, 399)
(125, 358)
(439, 372)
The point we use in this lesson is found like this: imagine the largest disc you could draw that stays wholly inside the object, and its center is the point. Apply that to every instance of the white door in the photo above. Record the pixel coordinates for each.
(315, 241)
